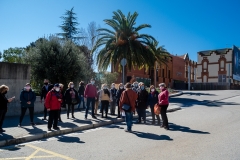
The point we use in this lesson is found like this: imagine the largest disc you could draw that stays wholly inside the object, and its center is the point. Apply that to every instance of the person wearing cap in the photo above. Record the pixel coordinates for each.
(142, 103)
(90, 94)
(53, 104)
(27, 99)
(163, 101)
(45, 89)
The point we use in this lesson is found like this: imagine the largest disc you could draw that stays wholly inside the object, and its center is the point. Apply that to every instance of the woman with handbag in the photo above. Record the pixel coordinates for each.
(71, 98)
(163, 101)
(105, 97)
(127, 104)
(152, 100)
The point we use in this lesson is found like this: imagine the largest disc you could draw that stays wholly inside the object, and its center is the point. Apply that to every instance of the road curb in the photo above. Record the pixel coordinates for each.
(48, 134)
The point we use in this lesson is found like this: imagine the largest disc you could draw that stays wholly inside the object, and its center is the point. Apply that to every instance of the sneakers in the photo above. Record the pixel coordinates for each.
(44, 119)
(19, 125)
(49, 129)
(94, 117)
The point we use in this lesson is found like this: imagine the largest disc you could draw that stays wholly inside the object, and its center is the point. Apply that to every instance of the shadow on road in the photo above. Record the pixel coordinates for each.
(4, 136)
(152, 136)
(189, 102)
(175, 127)
(67, 139)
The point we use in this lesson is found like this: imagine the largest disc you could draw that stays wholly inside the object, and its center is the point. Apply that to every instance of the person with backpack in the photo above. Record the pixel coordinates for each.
(152, 100)
(105, 97)
(27, 99)
(127, 105)
(71, 98)
(53, 103)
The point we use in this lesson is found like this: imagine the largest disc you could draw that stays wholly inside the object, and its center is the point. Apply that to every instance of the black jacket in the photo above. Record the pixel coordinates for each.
(81, 90)
(45, 91)
(114, 93)
(3, 102)
(68, 98)
(142, 100)
(119, 93)
(26, 96)
(153, 98)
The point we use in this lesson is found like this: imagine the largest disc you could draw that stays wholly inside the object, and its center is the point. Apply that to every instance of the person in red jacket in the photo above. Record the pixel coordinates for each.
(90, 94)
(53, 104)
(163, 103)
(128, 97)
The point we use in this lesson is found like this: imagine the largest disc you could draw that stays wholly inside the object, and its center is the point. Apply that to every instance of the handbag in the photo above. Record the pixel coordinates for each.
(74, 101)
(126, 107)
(157, 109)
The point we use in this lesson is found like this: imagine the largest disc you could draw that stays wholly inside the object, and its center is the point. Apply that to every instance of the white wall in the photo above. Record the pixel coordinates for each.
(213, 69)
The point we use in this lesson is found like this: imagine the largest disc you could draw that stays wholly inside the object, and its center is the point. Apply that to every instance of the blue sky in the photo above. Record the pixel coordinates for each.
(182, 26)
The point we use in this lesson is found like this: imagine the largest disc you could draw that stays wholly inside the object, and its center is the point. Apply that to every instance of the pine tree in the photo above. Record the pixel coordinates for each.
(69, 26)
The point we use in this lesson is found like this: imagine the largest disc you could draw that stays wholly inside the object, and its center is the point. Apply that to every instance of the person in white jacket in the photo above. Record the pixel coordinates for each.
(105, 97)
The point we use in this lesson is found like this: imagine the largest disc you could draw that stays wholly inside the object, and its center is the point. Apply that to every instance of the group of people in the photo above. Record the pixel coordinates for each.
(134, 96)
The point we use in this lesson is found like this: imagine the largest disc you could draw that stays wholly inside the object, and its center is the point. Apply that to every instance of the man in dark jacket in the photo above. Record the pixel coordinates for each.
(45, 89)
(81, 94)
(142, 103)
(27, 98)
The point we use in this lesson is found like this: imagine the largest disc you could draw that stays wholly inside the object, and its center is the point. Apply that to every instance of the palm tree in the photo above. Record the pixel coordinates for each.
(125, 41)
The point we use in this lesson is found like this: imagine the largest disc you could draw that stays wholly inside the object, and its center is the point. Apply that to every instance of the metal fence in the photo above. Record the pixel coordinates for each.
(210, 86)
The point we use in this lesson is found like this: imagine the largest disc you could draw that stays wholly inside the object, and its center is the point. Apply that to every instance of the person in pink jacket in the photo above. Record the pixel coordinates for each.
(163, 103)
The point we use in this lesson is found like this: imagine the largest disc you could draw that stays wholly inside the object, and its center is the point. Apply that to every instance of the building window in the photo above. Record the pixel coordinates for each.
(204, 65)
(222, 78)
(205, 79)
(222, 64)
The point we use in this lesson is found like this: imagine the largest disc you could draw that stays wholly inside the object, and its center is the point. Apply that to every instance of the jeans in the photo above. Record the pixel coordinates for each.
(92, 101)
(81, 98)
(53, 118)
(2, 117)
(164, 115)
(141, 114)
(23, 111)
(128, 119)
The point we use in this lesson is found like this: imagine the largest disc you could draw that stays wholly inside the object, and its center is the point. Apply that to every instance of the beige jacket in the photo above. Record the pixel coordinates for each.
(105, 97)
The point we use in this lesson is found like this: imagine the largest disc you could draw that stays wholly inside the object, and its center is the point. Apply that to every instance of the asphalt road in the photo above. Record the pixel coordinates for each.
(200, 131)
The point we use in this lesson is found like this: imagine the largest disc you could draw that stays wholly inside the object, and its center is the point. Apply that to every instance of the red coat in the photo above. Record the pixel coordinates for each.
(163, 97)
(51, 101)
(90, 91)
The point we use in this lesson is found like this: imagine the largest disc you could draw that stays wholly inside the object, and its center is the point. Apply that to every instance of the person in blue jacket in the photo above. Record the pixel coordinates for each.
(27, 98)
(152, 100)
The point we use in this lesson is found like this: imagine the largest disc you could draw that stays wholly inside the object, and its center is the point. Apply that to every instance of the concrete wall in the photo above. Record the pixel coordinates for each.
(15, 76)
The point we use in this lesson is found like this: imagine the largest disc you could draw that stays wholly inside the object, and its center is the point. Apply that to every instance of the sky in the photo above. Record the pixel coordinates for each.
(181, 26)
